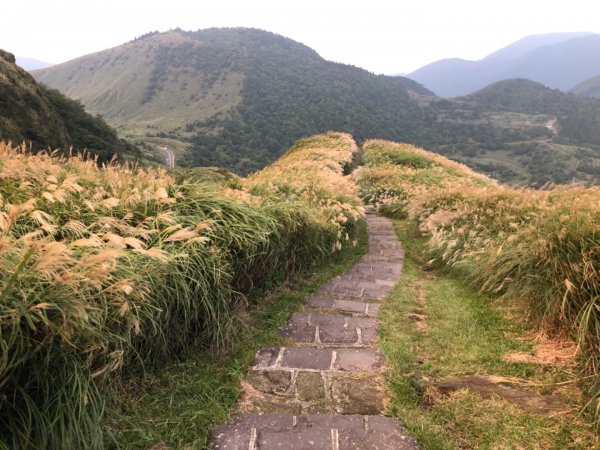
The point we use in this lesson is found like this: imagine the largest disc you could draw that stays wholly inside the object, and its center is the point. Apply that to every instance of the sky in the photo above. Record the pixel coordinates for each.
(382, 36)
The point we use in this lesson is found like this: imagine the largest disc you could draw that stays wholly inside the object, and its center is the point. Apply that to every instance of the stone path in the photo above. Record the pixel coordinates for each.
(324, 389)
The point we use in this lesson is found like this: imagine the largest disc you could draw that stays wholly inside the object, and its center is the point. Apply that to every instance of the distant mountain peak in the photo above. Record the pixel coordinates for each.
(31, 63)
(557, 60)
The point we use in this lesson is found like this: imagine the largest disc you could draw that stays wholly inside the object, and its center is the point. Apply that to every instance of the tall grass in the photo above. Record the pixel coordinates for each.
(105, 269)
(538, 247)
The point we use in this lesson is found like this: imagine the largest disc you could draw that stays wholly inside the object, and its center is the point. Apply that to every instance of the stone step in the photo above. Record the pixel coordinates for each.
(342, 305)
(329, 329)
(313, 392)
(318, 359)
(322, 432)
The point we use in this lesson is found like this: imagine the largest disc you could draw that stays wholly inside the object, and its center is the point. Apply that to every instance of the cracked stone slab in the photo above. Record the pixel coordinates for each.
(357, 394)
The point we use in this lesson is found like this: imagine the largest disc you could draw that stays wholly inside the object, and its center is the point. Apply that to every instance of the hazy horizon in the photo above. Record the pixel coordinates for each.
(378, 36)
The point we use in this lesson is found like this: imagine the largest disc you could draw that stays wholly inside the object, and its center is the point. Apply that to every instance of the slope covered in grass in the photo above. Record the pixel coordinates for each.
(540, 248)
(103, 270)
(45, 118)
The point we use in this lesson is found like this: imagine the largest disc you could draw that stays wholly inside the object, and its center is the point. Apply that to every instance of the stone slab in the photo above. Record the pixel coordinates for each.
(350, 306)
(270, 381)
(362, 440)
(356, 395)
(307, 358)
(267, 356)
(298, 439)
(320, 301)
(299, 328)
(358, 360)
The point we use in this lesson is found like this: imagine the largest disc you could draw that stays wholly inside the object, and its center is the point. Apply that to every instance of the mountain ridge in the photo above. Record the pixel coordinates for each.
(560, 60)
(588, 88)
(235, 98)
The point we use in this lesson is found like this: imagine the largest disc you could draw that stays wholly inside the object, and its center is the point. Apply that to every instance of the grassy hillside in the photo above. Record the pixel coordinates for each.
(105, 269)
(45, 118)
(535, 248)
(236, 98)
(522, 132)
(588, 88)
(232, 97)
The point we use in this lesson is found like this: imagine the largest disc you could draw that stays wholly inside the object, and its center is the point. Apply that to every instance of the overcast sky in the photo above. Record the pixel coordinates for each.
(382, 36)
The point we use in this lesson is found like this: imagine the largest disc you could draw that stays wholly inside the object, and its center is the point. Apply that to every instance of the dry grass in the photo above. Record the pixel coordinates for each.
(103, 269)
(540, 248)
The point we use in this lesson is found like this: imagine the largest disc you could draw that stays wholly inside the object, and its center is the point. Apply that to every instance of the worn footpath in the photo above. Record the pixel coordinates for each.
(324, 390)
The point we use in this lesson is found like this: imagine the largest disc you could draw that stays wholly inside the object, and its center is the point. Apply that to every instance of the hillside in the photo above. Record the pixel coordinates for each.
(588, 88)
(233, 97)
(559, 61)
(45, 118)
(236, 98)
(522, 132)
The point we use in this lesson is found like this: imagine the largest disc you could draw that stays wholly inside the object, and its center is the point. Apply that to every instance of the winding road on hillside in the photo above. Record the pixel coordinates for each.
(323, 390)
(169, 157)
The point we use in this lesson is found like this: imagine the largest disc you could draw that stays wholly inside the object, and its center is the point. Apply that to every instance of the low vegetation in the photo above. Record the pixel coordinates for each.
(105, 270)
(435, 327)
(539, 248)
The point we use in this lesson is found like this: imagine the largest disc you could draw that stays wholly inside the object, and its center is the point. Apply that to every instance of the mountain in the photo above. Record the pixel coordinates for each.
(559, 61)
(234, 98)
(45, 118)
(522, 131)
(31, 63)
(588, 88)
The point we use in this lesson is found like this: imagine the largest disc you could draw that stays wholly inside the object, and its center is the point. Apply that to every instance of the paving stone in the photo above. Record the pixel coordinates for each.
(357, 360)
(356, 395)
(236, 434)
(270, 403)
(369, 336)
(299, 328)
(362, 322)
(271, 381)
(307, 358)
(381, 423)
(320, 302)
(327, 319)
(362, 440)
(335, 335)
(298, 439)
(267, 356)
(327, 421)
(310, 386)
(373, 309)
(322, 407)
(224, 438)
(350, 306)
